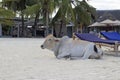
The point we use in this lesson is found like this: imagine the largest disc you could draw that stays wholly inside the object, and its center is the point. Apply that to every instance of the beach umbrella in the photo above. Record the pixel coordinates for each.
(108, 22)
(96, 24)
(117, 22)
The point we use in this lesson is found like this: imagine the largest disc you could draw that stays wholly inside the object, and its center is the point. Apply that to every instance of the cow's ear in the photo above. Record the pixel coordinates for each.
(56, 40)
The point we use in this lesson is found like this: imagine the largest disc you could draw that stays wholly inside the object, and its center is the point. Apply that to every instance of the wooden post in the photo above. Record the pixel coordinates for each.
(81, 28)
(116, 48)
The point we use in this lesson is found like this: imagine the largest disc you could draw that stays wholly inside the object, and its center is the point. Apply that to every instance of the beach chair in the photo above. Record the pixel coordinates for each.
(101, 42)
(111, 35)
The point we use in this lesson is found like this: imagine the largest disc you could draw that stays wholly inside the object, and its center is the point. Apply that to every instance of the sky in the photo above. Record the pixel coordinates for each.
(105, 4)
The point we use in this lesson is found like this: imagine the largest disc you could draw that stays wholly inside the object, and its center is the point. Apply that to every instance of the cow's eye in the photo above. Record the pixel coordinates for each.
(49, 39)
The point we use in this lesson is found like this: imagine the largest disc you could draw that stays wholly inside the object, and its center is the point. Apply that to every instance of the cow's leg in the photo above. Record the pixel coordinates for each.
(63, 55)
(87, 55)
(89, 50)
(74, 58)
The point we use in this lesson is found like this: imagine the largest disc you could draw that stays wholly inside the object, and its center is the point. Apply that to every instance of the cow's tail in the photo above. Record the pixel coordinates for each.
(95, 49)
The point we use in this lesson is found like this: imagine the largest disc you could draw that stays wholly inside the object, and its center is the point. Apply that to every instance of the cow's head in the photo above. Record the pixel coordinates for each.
(50, 42)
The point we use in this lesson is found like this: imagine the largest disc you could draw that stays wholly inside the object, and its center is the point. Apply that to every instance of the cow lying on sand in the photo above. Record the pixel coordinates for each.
(73, 49)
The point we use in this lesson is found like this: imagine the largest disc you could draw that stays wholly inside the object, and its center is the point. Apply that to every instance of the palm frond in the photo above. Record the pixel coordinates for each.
(31, 10)
(5, 16)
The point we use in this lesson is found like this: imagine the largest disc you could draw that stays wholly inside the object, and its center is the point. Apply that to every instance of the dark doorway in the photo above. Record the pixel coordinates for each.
(69, 31)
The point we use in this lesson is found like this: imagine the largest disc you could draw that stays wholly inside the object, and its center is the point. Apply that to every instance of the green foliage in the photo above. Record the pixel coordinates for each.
(31, 2)
(5, 16)
(32, 10)
(6, 13)
(84, 12)
(15, 5)
(65, 12)
(81, 13)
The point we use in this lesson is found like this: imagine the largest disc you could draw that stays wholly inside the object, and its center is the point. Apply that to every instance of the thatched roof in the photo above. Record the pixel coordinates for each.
(108, 14)
(96, 24)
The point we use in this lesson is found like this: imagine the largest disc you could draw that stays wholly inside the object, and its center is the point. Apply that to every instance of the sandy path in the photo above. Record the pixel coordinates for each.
(23, 59)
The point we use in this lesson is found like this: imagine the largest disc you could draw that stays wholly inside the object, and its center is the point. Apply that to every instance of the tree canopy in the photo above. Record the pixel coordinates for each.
(75, 11)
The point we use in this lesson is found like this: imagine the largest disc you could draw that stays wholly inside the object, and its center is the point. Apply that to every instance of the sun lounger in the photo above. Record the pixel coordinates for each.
(111, 35)
(99, 41)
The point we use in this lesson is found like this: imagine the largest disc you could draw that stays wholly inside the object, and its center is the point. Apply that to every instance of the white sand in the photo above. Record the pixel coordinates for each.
(23, 59)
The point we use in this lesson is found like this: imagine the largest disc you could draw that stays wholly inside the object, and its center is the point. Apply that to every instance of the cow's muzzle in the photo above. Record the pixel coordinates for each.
(42, 46)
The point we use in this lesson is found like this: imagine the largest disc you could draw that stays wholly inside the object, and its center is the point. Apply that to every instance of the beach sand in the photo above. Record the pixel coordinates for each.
(23, 59)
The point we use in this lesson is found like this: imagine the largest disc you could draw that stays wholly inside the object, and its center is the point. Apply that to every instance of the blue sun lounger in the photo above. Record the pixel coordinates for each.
(111, 35)
(93, 38)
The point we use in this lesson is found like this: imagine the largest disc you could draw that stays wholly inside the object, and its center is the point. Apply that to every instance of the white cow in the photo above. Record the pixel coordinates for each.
(73, 49)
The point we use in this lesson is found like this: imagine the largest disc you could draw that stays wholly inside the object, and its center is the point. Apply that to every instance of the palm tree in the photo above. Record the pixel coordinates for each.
(5, 16)
(16, 5)
(78, 12)
(48, 6)
(33, 10)
(64, 14)
(81, 13)
(85, 14)
(42, 8)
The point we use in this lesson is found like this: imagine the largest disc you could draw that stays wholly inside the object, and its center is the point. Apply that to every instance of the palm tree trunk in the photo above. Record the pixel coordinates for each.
(22, 7)
(46, 9)
(81, 28)
(59, 35)
(47, 24)
(35, 24)
(23, 28)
